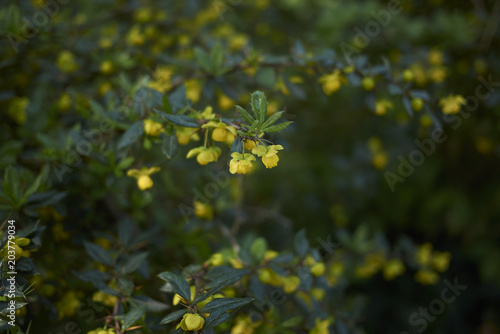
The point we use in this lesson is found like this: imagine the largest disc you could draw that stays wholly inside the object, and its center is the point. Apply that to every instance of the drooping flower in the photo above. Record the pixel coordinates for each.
(269, 154)
(332, 82)
(192, 322)
(241, 163)
(452, 104)
(381, 107)
(204, 155)
(221, 130)
(144, 180)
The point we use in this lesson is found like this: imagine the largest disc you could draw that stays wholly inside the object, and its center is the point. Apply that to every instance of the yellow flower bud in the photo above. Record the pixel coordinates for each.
(291, 283)
(192, 322)
(368, 83)
(417, 104)
(318, 269)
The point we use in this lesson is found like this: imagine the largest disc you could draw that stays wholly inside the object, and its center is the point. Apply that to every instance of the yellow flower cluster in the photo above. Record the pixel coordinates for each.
(161, 82)
(376, 261)
(18, 251)
(430, 261)
(101, 297)
(452, 104)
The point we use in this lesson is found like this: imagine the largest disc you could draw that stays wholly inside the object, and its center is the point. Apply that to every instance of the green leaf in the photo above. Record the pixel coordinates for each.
(225, 304)
(258, 248)
(259, 105)
(278, 127)
(253, 126)
(181, 120)
(98, 253)
(292, 322)
(300, 243)
(272, 119)
(132, 135)
(218, 283)
(126, 286)
(167, 107)
(134, 315)
(173, 317)
(33, 188)
(169, 146)
(407, 105)
(217, 59)
(246, 116)
(133, 262)
(202, 59)
(216, 318)
(179, 284)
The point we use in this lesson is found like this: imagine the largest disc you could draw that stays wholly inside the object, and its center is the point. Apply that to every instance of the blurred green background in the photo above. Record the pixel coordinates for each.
(66, 66)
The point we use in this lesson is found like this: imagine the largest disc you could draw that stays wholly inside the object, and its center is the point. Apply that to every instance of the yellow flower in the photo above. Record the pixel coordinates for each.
(320, 327)
(243, 326)
(440, 261)
(426, 277)
(241, 163)
(106, 67)
(269, 255)
(66, 62)
(204, 155)
(291, 283)
(452, 104)
(381, 107)
(68, 304)
(135, 37)
(177, 298)
(216, 259)
(424, 254)
(318, 269)
(225, 102)
(417, 104)
(101, 297)
(193, 90)
(318, 294)
(408, 75)
(203, 211)
(185, 135)
(249, 144)
(379, 160)
(237, 42)
(18, 251)
(269, 154)
(152, 128)
(435, 57)
(437, 73)
(419, 73)
(280, 85)
(368, 83)
(330, 83)
(221, 130)
(17, 109)
(192, 322)
(207, 113)
(393, 268)
(144, 180)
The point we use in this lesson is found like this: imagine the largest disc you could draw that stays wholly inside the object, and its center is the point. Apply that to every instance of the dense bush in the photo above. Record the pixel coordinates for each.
(249, 166)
